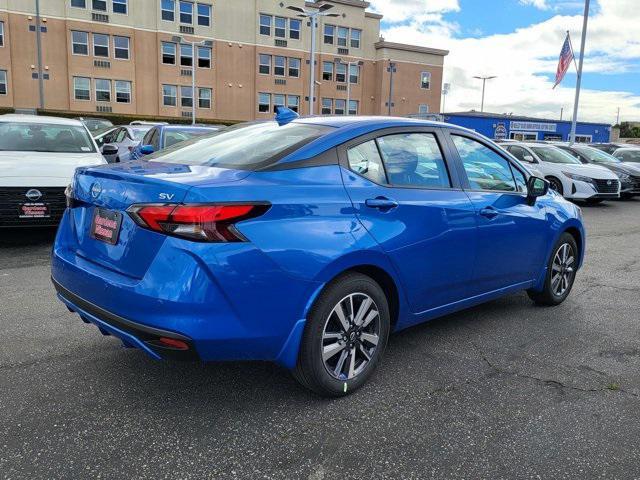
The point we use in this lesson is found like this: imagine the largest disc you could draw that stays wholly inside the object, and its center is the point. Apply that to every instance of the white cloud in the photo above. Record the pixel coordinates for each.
(521, 59)
(541, 4)
(421, 10)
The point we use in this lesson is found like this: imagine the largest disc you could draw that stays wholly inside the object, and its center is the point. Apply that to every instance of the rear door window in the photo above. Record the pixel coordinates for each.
(364, 159)
(485, 169)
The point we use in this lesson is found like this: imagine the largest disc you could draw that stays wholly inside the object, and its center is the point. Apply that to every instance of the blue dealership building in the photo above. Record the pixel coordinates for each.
(505, 126)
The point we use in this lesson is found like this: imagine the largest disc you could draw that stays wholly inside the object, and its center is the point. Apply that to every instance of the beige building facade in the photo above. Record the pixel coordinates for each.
(122, 57)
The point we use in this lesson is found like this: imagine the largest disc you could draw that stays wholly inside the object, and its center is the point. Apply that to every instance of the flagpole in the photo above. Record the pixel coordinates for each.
(572, 137)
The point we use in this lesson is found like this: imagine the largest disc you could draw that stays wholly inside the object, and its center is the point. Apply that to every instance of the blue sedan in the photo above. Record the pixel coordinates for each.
(308, 241)
(164, 136)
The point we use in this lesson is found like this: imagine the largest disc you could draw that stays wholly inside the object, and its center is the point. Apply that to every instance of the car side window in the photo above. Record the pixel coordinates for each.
(521, 181)
(155, 140)
(414, 160)
(121, 135)
(518, 152)
(147, 138)
(486, 169)
(364, 159)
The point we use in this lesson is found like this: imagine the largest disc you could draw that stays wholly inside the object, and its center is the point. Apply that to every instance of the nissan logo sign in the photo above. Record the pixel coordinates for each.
(96, 190)
(33, 194)
(609, 182)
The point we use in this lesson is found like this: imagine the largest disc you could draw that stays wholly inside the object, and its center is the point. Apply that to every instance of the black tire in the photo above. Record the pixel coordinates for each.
(556, 185)
(594, 201)
(311, 370)
(548, 296)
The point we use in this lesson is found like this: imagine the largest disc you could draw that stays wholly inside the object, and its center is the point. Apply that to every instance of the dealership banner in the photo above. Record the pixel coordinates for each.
(541, 127)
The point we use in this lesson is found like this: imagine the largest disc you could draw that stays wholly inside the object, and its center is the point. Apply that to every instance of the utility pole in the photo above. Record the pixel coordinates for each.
(445, 92)
(39, 50)
(313, 15)
(618, 117)
(561, 112)
(484, 83)
(572, 137)
(391, 69)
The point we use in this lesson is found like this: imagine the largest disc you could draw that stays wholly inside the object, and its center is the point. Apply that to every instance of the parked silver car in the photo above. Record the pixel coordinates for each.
(117, 143)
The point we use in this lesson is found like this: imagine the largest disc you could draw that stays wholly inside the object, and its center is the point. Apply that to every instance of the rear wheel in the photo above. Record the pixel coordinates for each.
(345, 336)
(556, 185)
(561, 273)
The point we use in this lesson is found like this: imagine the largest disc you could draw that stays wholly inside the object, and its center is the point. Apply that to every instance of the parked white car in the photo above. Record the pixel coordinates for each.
(566, 174)
(38, 157)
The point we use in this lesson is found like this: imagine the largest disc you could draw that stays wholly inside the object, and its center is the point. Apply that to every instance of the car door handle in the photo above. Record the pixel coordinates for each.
(489, 212)
(381, 203)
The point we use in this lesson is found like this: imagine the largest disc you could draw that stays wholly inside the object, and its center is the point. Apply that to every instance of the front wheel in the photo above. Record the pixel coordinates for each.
(556, 185)
(561, 273)
(345, 336)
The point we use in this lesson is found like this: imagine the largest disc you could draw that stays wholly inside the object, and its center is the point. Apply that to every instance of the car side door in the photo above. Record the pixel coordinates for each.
(512, 233)
(408, 197)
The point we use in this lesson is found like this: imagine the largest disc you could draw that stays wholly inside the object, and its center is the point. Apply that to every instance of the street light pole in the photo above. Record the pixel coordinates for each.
(484, 82)
(574, 122)
(204, 43)
(313, 15)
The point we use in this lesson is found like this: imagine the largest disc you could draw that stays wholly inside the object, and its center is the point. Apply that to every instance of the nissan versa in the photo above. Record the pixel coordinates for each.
(307, 241)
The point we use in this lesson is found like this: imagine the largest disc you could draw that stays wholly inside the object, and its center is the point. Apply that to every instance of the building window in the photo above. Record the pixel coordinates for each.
(169, 95)
(355, 38)
(354, 73)
(264, 102)
(425, 80)
(279, 65)
(341, 72)
(327, 106)
(186, 12)
(423, 109)
(100, 5)
(294, 67)
(343, 36)
(265, 25)
(82, 88)
(168, 53)
(100, 45)
(265, 64)
(168, 11)
(186, 97)
(103, 90)
(119, 6)
(3, 82)
(204, 97)
(121, 47)
(329, 33)
(327, 71)
(123, 91)
(186, 55)
(294, 28)
(278, 101)
(1, 34)
(204, 15)
(293, 102)
(204, 57)
(353, 107)
(79, 3)
(340, 106)
(80, 43)
(280, 27)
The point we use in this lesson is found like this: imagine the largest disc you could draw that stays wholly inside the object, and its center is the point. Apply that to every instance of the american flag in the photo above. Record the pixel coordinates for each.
(566, 57)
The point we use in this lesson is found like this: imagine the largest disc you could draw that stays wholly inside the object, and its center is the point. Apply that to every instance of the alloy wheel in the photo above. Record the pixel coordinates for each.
(555, 185)
(350, 336)
(562, 269)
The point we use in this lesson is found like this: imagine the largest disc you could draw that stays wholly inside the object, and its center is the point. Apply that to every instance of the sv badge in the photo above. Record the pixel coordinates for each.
(166, 196)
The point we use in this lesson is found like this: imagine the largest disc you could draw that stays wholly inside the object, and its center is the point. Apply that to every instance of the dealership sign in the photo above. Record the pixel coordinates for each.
(500, 132)
(541, 127)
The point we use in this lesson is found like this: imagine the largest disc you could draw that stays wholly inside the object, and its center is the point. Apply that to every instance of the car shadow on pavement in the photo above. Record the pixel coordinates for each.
(21, 237)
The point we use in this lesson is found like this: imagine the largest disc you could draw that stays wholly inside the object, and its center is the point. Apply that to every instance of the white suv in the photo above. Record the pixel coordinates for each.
(38, 157)
(567, 175)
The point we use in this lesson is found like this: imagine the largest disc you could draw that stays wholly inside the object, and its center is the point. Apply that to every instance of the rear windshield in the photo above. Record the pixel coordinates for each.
(628, 155)
(555, 155)
(171, 137)
(247, 146)
(36, 137)
(139, 132)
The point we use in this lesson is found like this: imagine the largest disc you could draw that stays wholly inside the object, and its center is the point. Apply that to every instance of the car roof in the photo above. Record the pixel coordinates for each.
(45, 120)
(182, 127)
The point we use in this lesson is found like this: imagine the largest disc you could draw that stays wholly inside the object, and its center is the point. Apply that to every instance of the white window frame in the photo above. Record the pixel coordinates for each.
(357, 74)
(260, 64)
(174, 90)
(190, 48)
(93, 44)
(75, 97)
(269, 25)
(322, 106)
(200, 98)
(120, 2)
(428, 74)
(115, 49)
(284, 65)
(1, 34)
(298, 68)
(295, 106)
(325, 35)
(5, 82)
(210, 56)
(335, 106)
(276, 28)
(268, 95)
(73, 43)
(356, 109)
(279, 104)
(358, 40)
(523, 135)
(128, 86)
(106, 5)
(423, 109)
(344, 30)
(295, 29)
(185, 88)
(173, 12)
(340, 66)
(103, 90)
(208, 16)
(71, 5)
(333, 71)
(185, 2)
(175, 53)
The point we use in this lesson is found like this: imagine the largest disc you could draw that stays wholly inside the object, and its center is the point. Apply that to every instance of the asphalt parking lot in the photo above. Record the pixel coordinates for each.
(505, 390)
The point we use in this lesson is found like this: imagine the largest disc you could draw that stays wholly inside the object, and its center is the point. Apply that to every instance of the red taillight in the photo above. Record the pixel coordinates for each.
(173, 343)
(204, 223)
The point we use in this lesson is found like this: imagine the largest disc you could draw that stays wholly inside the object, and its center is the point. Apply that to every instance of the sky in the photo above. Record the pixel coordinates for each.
(519, 41)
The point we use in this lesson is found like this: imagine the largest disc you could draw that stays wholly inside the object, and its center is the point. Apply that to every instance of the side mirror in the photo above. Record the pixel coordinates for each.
(146, 149)
(536, 187)
(109, 149)
(528, 158)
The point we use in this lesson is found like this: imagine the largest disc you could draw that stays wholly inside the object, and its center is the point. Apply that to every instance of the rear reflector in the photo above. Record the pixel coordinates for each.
(203, 223)
(173, 343)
